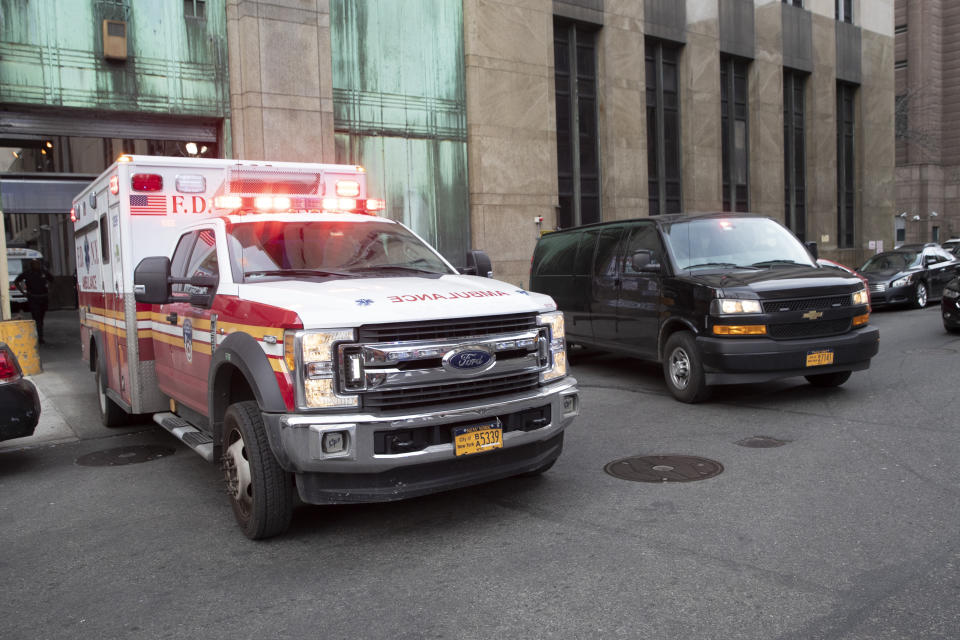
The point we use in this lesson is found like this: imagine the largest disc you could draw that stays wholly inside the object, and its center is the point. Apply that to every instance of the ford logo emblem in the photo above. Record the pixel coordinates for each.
(469, 361)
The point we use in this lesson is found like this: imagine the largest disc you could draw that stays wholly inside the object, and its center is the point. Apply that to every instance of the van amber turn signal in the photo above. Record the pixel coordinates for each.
(740, 329)
(859, 321)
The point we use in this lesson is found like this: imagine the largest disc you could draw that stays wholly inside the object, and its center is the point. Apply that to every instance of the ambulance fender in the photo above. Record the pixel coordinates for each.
(241, 352)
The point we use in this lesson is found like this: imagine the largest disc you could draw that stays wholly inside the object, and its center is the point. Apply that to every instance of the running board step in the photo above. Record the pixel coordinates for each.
(187, 433)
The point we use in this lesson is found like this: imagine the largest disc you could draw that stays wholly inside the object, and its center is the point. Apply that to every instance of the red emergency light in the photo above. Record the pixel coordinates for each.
(114, 185)
(293, 204)
(73, 214)
(146, 182)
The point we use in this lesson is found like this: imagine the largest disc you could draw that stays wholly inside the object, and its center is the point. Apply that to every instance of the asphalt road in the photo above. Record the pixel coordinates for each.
(850, 530)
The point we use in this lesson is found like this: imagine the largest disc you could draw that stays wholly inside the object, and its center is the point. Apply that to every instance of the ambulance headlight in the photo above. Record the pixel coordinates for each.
(312, 355)
(553, 346)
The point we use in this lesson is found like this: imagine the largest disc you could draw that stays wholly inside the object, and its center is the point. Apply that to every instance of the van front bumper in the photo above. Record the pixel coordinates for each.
(363, 472)
(743, 360)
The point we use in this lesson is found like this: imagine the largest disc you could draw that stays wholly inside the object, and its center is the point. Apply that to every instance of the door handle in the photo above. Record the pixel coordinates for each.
(172, 318)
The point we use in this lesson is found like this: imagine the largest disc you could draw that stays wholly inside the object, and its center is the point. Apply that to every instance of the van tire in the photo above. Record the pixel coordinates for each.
(834, 379)
(261, 492)
(111, 414)
(683, 368)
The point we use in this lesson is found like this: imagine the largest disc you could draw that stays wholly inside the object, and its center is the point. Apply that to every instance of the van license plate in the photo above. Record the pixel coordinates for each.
(818, 358)
(477, 438)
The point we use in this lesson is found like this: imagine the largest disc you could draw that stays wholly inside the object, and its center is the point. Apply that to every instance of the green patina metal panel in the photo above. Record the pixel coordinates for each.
(51, 54)
(400, 110)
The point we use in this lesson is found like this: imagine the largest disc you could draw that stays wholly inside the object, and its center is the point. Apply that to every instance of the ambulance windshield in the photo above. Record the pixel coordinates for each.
(329, 248)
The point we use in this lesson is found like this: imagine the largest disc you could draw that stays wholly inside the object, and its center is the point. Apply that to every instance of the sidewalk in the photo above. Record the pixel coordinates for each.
(68, 402)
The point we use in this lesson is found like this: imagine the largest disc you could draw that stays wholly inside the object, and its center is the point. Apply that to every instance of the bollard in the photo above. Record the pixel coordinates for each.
(21, 337)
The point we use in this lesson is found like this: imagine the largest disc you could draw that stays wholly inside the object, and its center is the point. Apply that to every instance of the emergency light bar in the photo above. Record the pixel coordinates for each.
(283, 204)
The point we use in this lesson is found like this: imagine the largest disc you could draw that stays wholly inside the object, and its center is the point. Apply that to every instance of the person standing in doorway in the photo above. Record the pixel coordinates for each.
(33, 283)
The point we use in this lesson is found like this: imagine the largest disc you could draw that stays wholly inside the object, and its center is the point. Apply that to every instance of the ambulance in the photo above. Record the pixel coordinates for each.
(18, 261)
(269, 317)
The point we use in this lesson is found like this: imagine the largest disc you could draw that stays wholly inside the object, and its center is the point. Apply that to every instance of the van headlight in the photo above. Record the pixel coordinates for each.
(861, 297)
(553, 349)
(311, 356)
(725, 306)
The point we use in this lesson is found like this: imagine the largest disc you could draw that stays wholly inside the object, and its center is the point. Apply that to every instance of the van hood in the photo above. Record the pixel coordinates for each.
(776, 282)
(354, 302)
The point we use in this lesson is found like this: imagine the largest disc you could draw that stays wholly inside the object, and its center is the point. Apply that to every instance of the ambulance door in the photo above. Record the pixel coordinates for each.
(168, 332)
(112, 306)
(192, 359)
(119, 303)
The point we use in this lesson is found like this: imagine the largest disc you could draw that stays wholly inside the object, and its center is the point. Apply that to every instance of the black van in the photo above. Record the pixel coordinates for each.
(716, 298)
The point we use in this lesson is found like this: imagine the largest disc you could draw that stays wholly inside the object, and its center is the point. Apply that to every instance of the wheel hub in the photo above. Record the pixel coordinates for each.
(680, 368)
(236, 471)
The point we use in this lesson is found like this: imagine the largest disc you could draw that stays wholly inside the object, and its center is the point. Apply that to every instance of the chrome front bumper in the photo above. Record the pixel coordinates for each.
(296, 439)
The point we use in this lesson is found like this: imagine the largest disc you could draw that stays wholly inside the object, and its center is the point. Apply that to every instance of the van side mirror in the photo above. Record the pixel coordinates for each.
(642, 261)
(151, 280)
(812, 248)
(478, 264)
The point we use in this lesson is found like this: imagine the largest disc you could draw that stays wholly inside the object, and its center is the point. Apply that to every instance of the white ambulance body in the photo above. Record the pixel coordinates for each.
(270, 321)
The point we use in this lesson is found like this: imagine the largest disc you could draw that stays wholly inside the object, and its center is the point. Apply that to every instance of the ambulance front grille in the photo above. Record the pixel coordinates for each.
(448, 328)
(449, 392)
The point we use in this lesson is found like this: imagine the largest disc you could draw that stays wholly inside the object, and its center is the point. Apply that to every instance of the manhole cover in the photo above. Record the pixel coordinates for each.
(761, 442)
(664, 468)
(124, 455)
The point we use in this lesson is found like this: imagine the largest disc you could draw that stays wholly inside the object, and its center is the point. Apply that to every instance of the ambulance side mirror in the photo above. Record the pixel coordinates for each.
(478, 264)
(151, 280)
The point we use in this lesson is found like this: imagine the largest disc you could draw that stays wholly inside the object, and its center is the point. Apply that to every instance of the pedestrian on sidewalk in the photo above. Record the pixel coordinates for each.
(33, 283)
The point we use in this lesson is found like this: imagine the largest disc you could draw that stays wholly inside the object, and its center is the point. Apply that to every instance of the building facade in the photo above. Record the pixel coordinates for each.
(927, 118)
(484, 123)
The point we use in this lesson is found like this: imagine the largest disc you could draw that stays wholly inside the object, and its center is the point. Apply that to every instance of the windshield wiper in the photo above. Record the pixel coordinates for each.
(725, 265)
(771, 263)
(299, 272)
(396, 267)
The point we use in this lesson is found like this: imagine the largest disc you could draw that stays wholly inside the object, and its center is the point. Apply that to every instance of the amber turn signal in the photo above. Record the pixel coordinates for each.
(740, 329)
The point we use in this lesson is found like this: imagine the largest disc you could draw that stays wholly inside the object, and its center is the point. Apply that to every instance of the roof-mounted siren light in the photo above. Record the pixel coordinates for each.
(230, 203)
(348, 188)
(375, 204)
(124, 158)
(271, 203)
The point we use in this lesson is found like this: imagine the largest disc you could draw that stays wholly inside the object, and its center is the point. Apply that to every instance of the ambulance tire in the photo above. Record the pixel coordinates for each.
(111, 414)
(261, 492)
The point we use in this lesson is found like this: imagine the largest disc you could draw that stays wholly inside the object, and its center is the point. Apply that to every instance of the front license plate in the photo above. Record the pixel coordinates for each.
(477, 438)
(819, 358)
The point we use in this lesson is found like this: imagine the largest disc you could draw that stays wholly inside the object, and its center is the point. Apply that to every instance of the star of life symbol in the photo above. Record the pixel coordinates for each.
(364, 302)
(522, 292)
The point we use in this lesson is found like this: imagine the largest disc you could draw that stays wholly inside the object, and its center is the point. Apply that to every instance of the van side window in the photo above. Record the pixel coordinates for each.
(104, 240)
(178, 265)
(605, 262)
(588, 242)
(555, 254)
(643, 237)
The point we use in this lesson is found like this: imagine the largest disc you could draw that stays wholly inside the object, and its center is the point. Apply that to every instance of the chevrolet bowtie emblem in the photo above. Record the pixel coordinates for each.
(812, 315)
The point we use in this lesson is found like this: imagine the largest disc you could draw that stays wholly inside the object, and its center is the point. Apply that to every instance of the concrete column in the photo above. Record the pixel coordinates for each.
(281, 80)
(765, 86)
(820, 128)
(701, 147)
(511, 129)
(623, 134)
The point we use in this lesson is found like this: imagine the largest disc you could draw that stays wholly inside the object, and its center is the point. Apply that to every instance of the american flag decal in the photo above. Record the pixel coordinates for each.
(148, 205)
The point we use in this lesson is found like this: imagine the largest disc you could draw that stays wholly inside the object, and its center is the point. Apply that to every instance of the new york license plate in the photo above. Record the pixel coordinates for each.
(477, 438)
(819, 358)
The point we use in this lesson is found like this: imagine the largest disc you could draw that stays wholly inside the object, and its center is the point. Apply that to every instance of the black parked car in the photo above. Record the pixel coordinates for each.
(950, 306)
(716, 298)
(912, 274)
(19, 402)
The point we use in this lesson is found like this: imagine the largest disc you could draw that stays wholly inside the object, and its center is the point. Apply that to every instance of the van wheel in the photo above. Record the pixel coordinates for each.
(829, 379)
(919, 295)
(683, 368)
(261, 492)
(111, 414)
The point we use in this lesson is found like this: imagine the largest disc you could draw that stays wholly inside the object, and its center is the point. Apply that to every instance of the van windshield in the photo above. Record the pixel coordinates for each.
(329, 248)
(727, 243)
(14, 266)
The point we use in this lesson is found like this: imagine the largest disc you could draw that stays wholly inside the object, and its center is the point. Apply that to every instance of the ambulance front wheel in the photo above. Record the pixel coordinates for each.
(111, 414)
(260, 491)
